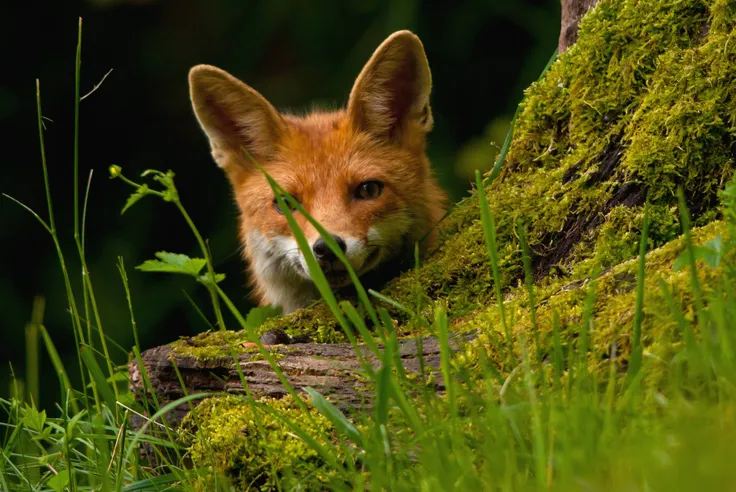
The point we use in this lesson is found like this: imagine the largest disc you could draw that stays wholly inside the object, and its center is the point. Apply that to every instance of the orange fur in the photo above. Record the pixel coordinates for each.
(320, 159)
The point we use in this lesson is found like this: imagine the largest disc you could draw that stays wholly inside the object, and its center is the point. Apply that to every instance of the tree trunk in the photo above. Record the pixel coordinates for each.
(572, 11)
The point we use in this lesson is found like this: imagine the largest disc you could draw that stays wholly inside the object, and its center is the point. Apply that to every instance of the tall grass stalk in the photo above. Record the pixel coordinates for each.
(489, 232)
(636, 348)
(33, 363)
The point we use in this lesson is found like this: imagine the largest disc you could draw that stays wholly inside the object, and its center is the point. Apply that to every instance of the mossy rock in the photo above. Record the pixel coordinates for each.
(643, 104)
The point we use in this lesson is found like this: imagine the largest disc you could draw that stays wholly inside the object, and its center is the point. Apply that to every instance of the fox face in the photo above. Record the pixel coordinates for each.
(361, 172)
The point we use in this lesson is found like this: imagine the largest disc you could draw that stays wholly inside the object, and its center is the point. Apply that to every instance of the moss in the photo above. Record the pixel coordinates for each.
(213, 345)
(644, 102)
(612, 316)
(612, 120)
(255, 450)
(316, 322)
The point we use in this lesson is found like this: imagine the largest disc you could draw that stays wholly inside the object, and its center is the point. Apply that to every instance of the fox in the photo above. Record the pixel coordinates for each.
(362, 172)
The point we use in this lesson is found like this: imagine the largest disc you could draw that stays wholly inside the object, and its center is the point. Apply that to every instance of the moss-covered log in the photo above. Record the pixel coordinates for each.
(643, 104)
(332, 369)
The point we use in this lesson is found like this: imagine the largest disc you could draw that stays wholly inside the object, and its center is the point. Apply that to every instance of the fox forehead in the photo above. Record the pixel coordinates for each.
(321, 156)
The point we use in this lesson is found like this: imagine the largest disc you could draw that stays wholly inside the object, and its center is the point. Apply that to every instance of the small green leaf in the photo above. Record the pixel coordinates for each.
(205, 277)
(137, 195)
(73, 423)
(170, 195)
(33, 419)
(118, 377)
(710, 253)
(716, 245)
(45, 434)
(59, 481)
(173, 263)
(258, 315)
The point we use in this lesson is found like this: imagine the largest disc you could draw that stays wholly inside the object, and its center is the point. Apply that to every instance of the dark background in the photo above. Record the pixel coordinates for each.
(482, 53)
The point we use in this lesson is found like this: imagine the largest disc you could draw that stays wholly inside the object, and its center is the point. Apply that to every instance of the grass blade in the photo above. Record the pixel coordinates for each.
(335, 416)
(694, 281)
(529, 282)
(443, 337)
(98, 378)
(489, 231)
(32, 352)
(66, 386)
(636, 348)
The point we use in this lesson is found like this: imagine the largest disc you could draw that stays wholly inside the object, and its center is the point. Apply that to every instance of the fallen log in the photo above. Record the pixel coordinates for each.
(332, 369)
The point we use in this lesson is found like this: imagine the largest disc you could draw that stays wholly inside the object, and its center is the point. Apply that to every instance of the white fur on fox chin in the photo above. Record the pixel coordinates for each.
(283, 273)
(282, 270)
(274, 267)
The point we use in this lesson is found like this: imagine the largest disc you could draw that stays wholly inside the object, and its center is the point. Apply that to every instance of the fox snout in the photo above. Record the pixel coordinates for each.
(357, 252)
(331, 265)
(324, 254)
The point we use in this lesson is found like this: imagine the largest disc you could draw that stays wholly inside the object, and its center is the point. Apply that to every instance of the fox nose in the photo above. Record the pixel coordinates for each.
(323, 252)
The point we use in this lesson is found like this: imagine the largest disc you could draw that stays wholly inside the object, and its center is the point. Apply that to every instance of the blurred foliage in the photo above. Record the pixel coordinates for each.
(483, 53)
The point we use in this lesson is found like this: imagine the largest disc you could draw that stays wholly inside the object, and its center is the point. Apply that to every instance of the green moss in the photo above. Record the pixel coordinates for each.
(213, 345)
(613, 312)
(644, 102)
(256, 451)
(316, 322)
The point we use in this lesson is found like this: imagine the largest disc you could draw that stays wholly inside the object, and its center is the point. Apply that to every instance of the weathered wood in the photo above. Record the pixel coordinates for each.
(332, 369)
(572, 11)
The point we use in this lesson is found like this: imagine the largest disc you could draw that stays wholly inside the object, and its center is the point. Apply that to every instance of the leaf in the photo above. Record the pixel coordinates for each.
(71, 426)
(173, 263)
(205, 277)
(98, 376)
(156, 482)
(716, 245)
(118, 377)
(44, 435)
(59, 481)
(710, 253)
(33, 419)
(139, 193)
(258, 315)
(335, 416)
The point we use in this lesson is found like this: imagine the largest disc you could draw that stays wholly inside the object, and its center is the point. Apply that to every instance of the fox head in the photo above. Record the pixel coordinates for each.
(361, 172)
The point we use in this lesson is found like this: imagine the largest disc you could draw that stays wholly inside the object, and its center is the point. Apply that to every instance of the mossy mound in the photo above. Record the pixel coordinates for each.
(253, 448)
(645, 102)
(561, 305)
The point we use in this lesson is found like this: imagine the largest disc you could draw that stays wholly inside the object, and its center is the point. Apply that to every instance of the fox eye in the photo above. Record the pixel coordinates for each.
(367, 190)
(278, 209)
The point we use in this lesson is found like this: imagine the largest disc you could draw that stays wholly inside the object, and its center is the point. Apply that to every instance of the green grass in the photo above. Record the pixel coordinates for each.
(550, 425)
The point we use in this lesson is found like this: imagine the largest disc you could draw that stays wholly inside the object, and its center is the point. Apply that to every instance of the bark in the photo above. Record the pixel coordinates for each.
(572, 11)
(331, 369)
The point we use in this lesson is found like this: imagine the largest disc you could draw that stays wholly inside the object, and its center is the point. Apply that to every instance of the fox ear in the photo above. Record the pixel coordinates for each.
(233, 115)
(390, 97)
